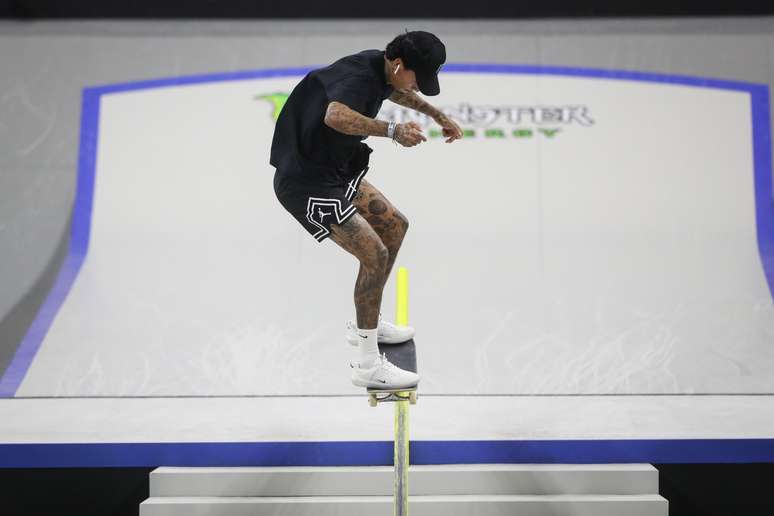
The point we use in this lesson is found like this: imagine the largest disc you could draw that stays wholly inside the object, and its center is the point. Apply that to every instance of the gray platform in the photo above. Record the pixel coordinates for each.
(489, 489)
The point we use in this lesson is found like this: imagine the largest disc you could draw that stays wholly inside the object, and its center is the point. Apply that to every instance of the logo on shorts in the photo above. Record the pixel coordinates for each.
(314, 210)
(321, 214)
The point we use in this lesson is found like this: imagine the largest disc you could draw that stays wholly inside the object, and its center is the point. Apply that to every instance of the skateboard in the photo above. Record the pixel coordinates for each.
(404, 356)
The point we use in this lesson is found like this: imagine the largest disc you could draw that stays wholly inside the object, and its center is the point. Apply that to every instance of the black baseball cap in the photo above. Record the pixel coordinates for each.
(425, 54)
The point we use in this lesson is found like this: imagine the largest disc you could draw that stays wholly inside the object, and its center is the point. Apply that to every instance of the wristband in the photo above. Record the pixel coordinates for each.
(391, 130)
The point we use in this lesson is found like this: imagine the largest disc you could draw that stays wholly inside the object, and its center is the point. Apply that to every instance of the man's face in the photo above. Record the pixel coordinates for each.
(405, 80)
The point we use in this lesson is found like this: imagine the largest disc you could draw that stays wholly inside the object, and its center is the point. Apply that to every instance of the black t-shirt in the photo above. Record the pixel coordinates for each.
(358, 81)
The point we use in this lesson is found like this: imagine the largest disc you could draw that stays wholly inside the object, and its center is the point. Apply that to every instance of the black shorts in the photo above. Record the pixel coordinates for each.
(316, 204)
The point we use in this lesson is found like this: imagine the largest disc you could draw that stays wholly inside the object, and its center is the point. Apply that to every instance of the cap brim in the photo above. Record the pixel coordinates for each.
(429, 85)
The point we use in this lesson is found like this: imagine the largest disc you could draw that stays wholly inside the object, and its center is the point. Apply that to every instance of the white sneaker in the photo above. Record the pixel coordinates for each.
(383, 374)
(387, 333)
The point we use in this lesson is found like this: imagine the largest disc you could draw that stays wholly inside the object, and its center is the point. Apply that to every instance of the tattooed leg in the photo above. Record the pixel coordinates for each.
(390, 224)
(357, 237)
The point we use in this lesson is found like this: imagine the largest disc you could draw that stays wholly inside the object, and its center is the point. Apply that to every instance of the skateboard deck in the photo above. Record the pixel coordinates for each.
(404, 356)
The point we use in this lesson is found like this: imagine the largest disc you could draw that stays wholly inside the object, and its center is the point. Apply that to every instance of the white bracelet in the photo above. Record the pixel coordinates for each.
(391, 130)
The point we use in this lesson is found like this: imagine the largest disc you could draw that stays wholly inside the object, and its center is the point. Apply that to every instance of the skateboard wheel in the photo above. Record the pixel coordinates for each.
(372, 401)
(413, 398)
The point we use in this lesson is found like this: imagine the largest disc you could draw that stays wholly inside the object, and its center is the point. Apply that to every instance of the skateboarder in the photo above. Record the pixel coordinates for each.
(321, 162)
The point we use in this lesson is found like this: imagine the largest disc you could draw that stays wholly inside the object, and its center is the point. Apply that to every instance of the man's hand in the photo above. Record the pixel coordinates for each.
(409, 134)
(449, 127)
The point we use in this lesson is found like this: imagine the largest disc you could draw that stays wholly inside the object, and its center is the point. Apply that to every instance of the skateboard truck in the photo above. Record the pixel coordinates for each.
(376, 396)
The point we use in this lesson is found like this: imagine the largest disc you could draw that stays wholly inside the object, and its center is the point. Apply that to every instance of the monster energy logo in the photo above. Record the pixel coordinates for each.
(498, 121)
(486, 121)
(488, 115)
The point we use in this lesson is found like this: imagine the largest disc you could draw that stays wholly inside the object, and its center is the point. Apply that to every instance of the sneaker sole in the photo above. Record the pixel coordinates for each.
(382, 386)
(354, 341)
(374, 385)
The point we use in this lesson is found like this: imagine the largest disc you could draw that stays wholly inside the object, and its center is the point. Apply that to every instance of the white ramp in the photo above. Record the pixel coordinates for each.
(589, 236)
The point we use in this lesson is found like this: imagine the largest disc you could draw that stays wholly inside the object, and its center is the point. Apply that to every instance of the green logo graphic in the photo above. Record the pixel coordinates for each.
(277, 100)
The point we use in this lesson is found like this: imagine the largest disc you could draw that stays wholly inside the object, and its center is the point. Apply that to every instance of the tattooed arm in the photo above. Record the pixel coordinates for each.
(340, 117)
(415, 102)
(450, 129)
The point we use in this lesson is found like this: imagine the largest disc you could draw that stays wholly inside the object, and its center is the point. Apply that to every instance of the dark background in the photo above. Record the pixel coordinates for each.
(363, 9)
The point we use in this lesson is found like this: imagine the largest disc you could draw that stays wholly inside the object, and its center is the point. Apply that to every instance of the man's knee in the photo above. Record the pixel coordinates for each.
(382, 257)
(400, 226)
(403, 223)
(378, 258)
